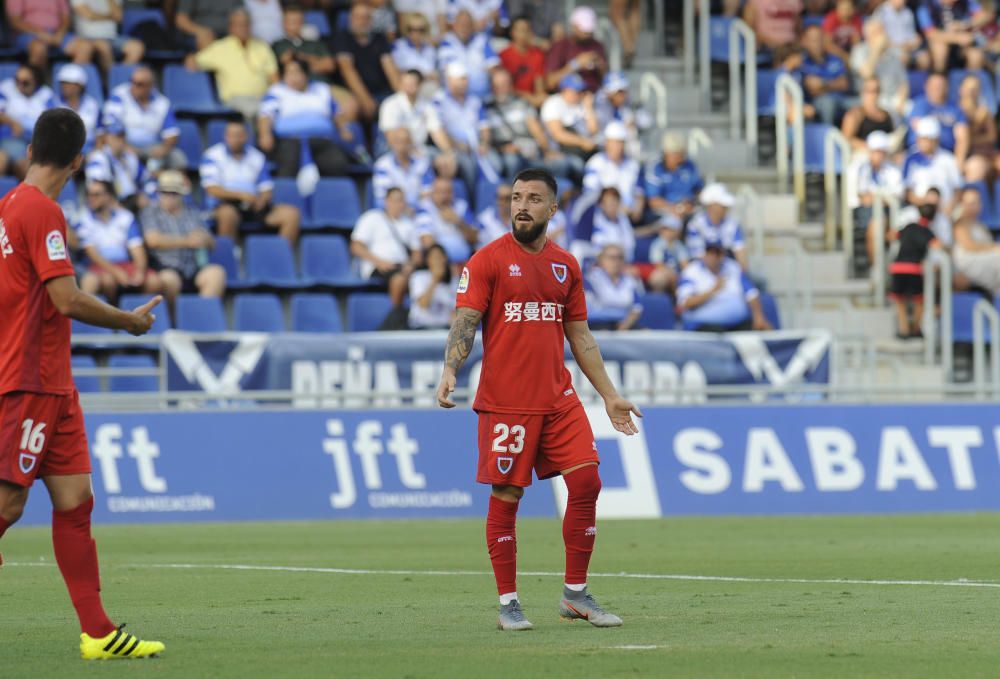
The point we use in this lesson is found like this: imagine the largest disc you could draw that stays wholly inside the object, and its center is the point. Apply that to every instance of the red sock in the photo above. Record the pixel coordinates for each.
(502, 543)
(76, 554)
(579, 524)
(4, 525)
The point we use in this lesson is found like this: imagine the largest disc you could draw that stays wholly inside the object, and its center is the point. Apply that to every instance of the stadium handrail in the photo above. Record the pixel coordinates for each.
(608, 34)
(835, 138)
(940, 265)
(984, 312)
(880, 199)
(660, 26)
(651, 86)
(738, 29)
(785, 84)
(688, 30)
(697, 139)
(704, 54)
(752, 217)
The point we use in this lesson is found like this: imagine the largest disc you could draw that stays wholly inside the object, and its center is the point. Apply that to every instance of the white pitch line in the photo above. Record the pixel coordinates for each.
(636, 576)
(634, 647)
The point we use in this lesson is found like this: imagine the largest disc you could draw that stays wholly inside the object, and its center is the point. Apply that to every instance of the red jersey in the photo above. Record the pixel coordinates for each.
(524, 67)
(525, 298)
(34, 336)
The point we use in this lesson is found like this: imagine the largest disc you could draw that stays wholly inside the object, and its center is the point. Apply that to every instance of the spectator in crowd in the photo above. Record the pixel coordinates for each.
(517, 137)
(22, 99)
(295, 110)
(414, 51)
(673, 183)
(96, 21)
(113, 244)
(548, 19)
(907, 284)
(402, 168)
(408, 109)
(627, 19)
(41, 25)
(113, 161)
(934, 103)
(714, 224)
(495, 221)
(901, 30)
(876, 173)
(976, 255)
(824, 77)
(148, 118)
(244, 66)
(72, 94)
(365, 62)
(473, 50)
(234, 174)
(842, 29)
(464, 120)
(578, 54)
(929, 165)
(612, 104)
(385, 242)
(949, 28)
(485, 14)
(667, 256)
(265, 19)
(179, 241)
(434, 11)
(432, 294)
(983, 160)
(611, 167)
(204, 21)
(774, 22)
(445, 220)
(294, 45)
(603, 223)
(383, 18)
(867, 117)
(612, 293)
(571, 122)
(525, 62)
(716, 295)
(876, 59)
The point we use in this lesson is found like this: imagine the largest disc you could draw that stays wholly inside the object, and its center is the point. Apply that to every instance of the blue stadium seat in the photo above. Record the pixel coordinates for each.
(315, 313)
(318, 19)
(190, 91)
(132, 17)
(190, 141)
(224, 254)
(461, 191)
(8, 69)
(962, 304)
(657, 311)
(258, 313)
(770, 308)
(766, 79)
(85, 384)
(271, 264)
(286, 191)
(486, 195)
(812, 20)
(200, 314)
(162, 322)
(325, 260)
(989, 214)
(718, 41)
(917, 80)
(118, 384)
(215, 130)
(335, 203)
(6, 184)
(120, 73)
(367, 310)
(815, 138)
(989, 92)
(642, 248)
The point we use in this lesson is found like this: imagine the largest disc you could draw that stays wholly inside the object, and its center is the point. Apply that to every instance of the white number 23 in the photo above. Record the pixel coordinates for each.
(503, 432)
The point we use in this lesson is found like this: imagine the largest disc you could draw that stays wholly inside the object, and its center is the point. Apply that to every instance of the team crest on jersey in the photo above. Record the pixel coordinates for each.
(56, 246)
(504, 464)
(27, 462)
(560, 271)
(463, 281)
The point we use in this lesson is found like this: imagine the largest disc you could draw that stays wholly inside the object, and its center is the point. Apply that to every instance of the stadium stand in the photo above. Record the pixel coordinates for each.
(315, 312)
(258, 313)
(271, 264)
(200, 314)
(367, 310)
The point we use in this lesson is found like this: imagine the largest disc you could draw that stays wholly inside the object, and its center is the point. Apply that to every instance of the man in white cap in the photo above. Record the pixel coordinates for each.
(463, 44)
(930, 165)
(464, 120)
(877, 173)
(72, 94)
(672, 184)
(611, 167)
(578, 53)
(714, 224)
(612, 103)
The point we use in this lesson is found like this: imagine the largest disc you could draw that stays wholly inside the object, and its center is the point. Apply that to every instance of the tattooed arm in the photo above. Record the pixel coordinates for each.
(460, 341)
(588, 357)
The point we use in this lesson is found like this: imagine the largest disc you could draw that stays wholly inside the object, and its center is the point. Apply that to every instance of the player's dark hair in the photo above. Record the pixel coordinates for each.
(58, 138)
(537, 174)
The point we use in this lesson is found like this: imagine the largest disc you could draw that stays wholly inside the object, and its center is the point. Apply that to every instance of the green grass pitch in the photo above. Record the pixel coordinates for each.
(286, 623)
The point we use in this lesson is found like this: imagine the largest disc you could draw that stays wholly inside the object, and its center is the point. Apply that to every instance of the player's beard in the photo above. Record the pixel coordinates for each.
(528, 234)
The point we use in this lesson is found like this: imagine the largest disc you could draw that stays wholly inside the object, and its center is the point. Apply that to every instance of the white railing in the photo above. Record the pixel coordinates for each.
(704, 55)
(786, 85)
(737, 30)
(697, 140)
(982, 313)
(651, 86)
(608, 34)
(936, 267)
(798, 311)
(834, 141)
(752, 217)
(877, 275)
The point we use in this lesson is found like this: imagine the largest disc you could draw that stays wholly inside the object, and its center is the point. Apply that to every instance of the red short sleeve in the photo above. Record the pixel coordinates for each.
(830, 22)
(576, 301)
(46, 243)
(475, 287)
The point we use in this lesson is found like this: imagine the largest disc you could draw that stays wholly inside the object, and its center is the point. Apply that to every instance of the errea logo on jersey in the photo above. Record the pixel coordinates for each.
(516, 312)
(514, 269)
(5, 247)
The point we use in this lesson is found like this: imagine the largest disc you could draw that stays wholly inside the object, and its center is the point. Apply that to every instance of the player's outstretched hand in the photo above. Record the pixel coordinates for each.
(620, 411)
(143, 319)
(445, 388)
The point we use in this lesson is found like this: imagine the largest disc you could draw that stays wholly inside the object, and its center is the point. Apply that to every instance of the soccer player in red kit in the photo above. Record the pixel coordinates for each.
(528, 293)
(42, 433)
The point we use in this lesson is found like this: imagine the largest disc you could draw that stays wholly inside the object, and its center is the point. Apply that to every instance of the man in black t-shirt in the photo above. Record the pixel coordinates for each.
(365, 62)
(915, 241)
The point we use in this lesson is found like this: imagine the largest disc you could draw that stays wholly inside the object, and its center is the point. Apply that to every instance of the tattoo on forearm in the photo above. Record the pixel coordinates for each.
(461, 338)
(589, 346)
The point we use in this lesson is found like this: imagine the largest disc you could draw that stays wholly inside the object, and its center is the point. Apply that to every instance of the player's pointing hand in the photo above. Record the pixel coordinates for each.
(143, 318)
(620, 411)
(445, 388)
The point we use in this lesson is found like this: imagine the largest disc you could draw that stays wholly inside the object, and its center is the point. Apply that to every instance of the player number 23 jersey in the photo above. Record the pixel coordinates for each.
(525, 298)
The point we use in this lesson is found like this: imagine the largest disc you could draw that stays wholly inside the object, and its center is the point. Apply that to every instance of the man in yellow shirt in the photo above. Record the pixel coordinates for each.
(244, 66)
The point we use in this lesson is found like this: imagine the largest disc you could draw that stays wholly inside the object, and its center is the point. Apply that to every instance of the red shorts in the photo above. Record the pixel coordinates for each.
(41, 435)
(129, 268)
(510, 445)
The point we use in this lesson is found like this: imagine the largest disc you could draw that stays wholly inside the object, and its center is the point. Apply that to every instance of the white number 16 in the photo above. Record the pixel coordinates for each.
(32, 440)
(502, 431)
